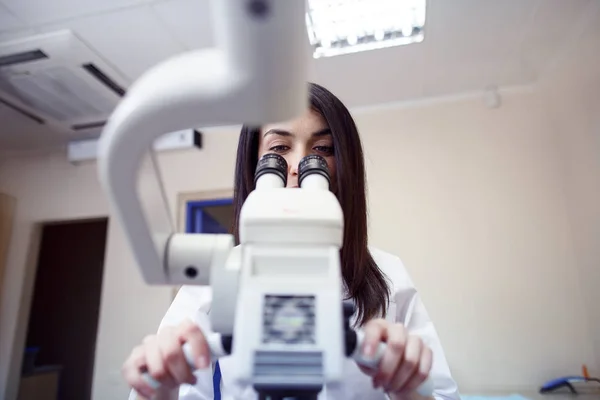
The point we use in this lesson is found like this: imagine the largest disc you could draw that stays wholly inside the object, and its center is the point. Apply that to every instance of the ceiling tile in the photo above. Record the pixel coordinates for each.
(189, 20)
(37, 12)
(16, 34)
(553, 23)
(472, 30)
(8, 21)
(131, 40)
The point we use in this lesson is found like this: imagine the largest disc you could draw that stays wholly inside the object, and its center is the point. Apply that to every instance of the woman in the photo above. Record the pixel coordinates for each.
(389, 308)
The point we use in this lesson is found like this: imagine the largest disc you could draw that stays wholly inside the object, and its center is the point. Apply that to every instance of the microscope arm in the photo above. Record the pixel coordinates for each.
(257, 73)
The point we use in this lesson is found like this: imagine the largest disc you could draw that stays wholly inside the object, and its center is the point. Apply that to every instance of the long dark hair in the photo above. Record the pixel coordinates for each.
(365, 282)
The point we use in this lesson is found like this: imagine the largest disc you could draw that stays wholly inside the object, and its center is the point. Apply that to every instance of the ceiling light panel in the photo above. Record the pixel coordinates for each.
(338, 27)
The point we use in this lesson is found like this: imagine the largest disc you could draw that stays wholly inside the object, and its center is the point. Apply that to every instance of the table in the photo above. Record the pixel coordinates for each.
(548, 396)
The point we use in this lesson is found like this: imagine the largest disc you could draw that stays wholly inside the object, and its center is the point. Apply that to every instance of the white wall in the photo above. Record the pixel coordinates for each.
(48, 188)
(571, 92)
(471, 199)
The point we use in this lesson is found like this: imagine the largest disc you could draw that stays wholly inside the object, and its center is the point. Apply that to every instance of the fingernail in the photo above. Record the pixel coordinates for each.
(203, 361)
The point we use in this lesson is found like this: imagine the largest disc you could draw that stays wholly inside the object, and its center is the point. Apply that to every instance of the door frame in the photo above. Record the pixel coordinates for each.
(8, 209)
(22, 324)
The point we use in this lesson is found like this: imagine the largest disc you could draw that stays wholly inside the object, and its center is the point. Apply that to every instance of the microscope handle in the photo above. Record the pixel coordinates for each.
(217, 350)
(426, 388)
(220, 346)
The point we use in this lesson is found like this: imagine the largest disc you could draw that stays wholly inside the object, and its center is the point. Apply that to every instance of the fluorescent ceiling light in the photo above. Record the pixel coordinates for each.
(338, 27)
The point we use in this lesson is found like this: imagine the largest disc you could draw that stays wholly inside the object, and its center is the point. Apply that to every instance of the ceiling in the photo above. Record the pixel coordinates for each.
(469, 45)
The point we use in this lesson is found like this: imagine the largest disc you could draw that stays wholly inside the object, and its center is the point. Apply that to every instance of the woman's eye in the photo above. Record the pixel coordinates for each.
(324, 149)
(280, 148)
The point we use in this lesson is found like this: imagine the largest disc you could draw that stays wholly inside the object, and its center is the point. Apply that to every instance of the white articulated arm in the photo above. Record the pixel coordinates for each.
(256, 74)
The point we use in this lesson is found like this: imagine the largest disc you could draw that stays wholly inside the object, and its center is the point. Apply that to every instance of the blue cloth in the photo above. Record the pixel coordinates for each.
(217, 382)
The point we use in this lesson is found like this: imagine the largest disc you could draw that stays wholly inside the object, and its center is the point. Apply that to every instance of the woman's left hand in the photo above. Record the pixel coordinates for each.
(406, 362)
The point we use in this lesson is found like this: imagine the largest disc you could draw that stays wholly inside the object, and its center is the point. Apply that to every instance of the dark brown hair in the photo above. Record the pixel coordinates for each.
(366, 283)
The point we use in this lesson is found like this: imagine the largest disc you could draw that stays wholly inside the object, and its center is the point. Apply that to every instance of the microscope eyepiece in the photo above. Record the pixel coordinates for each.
(314, 165)
(273, 165)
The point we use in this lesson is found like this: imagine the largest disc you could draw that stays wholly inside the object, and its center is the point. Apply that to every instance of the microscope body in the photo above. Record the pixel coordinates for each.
(287, 326)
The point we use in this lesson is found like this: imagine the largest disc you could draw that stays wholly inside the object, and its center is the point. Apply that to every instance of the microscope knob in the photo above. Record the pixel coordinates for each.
(219, 345)
(187, 352)
(425, 389)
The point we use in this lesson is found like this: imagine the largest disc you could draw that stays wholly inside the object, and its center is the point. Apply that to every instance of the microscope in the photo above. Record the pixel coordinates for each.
(277, 305)
(284, 288)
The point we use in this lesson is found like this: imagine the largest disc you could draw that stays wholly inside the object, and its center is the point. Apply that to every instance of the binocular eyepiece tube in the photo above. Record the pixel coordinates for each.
(272, 172)
(313, 173)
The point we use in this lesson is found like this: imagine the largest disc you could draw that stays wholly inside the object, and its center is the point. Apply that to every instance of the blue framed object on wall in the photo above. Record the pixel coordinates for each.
(199, 220)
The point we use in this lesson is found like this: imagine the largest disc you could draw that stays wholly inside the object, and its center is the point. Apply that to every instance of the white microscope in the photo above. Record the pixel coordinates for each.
(277, 305)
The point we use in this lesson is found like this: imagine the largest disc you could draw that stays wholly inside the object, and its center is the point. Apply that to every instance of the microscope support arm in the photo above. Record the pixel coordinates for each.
(256, 74)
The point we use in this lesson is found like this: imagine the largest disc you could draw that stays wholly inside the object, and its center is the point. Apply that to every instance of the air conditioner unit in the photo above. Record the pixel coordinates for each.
(57, 80)
(81, 151)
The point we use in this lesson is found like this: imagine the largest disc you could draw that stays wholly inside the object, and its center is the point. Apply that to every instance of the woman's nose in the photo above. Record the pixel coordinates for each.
(294, 160)
(292, 180)
(293, 163)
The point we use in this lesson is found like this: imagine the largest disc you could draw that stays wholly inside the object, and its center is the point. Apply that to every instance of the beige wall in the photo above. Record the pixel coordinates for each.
(48, 188)
(472, 199)
(571, 92)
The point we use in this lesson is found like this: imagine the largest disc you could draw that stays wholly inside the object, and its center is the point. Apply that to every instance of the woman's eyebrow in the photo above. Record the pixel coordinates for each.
(322, 132)
(279, 132)
(282, 132)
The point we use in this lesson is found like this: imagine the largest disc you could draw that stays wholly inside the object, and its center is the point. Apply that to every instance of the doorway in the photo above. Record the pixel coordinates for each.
(63, 319)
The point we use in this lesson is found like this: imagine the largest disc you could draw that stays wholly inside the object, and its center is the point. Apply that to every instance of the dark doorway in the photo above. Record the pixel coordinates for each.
(63, 320)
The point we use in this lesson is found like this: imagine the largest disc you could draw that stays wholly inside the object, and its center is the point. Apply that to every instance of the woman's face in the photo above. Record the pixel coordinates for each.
(293, 140)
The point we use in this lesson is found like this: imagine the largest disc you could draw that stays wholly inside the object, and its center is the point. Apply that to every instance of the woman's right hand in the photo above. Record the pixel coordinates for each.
(161, 356)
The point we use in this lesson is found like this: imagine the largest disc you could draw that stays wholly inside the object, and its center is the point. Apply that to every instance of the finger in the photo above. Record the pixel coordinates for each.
(375, 332)
(396, 343)
(174, 359)
(131, 371)
(155, 363)
(190, 333)
(409, 364)
(422, 371)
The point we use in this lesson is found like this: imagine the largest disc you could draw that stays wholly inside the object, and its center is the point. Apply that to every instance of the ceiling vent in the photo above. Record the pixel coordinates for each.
(55, 79)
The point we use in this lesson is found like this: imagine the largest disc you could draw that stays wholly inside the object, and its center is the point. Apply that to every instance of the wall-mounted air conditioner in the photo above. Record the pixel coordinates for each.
(80, 151)
(56, 79)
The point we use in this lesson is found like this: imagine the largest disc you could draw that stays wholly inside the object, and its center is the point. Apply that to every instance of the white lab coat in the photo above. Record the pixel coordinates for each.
(405, 307)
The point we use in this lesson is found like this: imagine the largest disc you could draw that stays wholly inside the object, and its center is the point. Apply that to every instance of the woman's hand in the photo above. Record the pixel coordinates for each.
(406, 362)
(161, 356)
